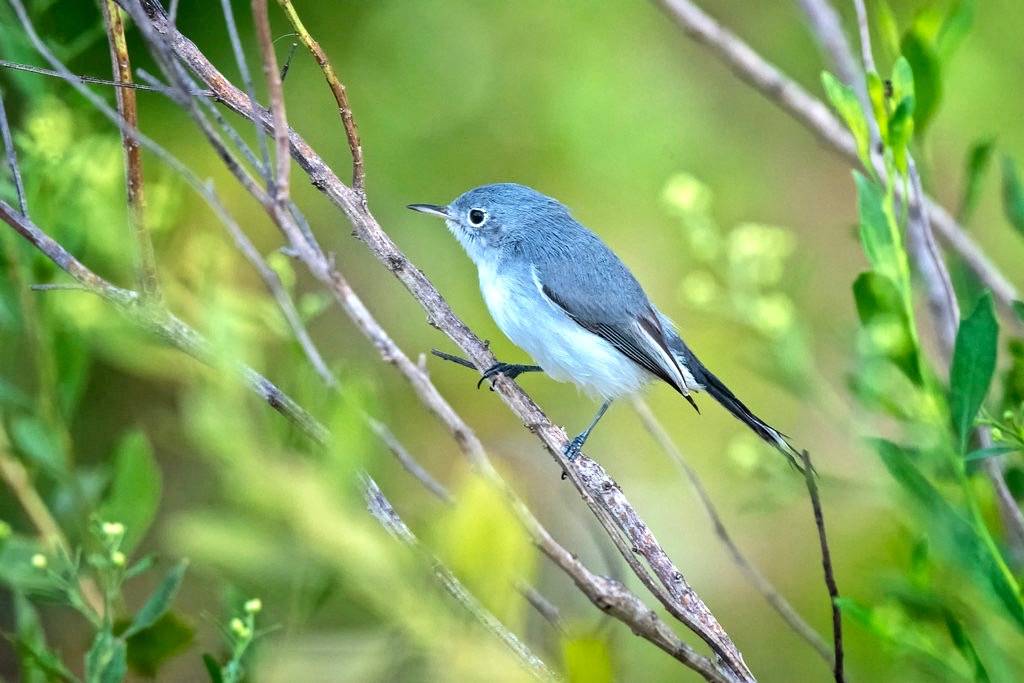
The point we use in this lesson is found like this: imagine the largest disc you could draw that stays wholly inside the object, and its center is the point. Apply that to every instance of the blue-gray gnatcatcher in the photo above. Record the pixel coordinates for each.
(557, 291)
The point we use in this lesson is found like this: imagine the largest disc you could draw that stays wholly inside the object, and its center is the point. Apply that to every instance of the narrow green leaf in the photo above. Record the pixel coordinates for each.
(901, 131)
(989, 451)
(159, 601)
(881, 312)
(134, 494)
(876, 233)
(13, 397)
(39, 444)
(902, 80)
(1013, 194)
(888, 29)
(1018, 308)
(978, 160)
(974, 363)
(212, 668)
(37, 663)
(927, 70)
(958, 634)
(847, 105)
(106, 661)
(149, 649)
(955, 28)
(877, 96)
(955, 529)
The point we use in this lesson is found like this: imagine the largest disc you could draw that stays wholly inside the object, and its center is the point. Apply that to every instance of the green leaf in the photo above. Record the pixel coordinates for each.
(1018, 308)
(134, 494)
(876, 231)
(1013, 194)
(881, 312)
(212, 668)
(150, 648)
(587, 659)
(887, 27)
(978, 160)
(36, 661)
(974, 362)
(901, 131)
(39, 445)
(927, 70)
(847, 105)
(159, 601)
(958, 634)
(955, 28)
(954, 528)
(902, 80)
(989, 451)
(106, 662)
(13, 397)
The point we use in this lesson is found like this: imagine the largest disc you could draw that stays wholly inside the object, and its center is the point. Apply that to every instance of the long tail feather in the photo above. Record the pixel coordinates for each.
(721, 393)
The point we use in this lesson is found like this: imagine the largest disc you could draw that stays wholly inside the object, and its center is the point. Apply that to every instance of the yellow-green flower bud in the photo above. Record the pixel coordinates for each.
(118, 558)
(253, 606)
(39, 561)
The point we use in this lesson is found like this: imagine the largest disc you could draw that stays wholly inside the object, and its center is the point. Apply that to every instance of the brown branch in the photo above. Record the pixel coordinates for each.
(599, 491)
(127, 107)
(748, 568)
(767, 79)
(276, 96)
(340, 96)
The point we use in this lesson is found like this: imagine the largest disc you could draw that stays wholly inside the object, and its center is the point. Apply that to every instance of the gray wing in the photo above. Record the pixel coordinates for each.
(596, 290)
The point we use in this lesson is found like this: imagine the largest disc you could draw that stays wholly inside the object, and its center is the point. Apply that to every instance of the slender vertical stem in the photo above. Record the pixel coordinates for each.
(340, 97)
(127, 107)
(276, 94)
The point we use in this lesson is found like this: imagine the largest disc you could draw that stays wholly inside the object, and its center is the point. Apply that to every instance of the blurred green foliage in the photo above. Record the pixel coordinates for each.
(686, 174)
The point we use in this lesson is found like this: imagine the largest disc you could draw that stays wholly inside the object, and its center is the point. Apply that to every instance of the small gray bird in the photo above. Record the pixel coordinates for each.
(558, 292)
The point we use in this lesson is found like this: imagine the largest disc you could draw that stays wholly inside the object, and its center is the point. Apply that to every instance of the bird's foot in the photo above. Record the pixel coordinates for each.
(510, 370)
(573, 448)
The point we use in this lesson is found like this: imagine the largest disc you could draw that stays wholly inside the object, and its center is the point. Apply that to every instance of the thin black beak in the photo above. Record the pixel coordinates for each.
(432, 209)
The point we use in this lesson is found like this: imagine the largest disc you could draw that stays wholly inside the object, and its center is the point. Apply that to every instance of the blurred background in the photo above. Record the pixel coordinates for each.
(735, 219)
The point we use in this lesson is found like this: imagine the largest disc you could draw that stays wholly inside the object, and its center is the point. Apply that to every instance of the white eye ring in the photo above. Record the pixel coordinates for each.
(477, 217)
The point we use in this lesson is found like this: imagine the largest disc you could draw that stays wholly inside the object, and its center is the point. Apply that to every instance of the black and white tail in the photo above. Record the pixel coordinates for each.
(723, 395)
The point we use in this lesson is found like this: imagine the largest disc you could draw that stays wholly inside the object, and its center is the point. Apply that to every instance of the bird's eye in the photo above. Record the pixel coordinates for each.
(477, 217)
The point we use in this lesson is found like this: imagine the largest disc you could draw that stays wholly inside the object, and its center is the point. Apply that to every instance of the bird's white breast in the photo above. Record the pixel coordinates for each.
(564, 349)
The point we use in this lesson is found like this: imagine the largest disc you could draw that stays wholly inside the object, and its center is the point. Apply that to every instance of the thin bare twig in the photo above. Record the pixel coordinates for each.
(12, 157)
(340, 97)
(408, 462)
(382, 510)
(543, 606)
(767, 79)
(276, 97)
(243, 70)
(826, 565)
(127, 107)
(751, 571)
(86, 79)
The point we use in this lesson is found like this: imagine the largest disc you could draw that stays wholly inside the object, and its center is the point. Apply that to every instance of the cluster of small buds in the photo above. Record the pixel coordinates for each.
(113, 530)
(239, 628)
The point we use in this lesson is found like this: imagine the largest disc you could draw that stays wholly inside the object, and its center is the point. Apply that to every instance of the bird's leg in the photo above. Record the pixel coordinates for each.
(510, 370)
(572, 449)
